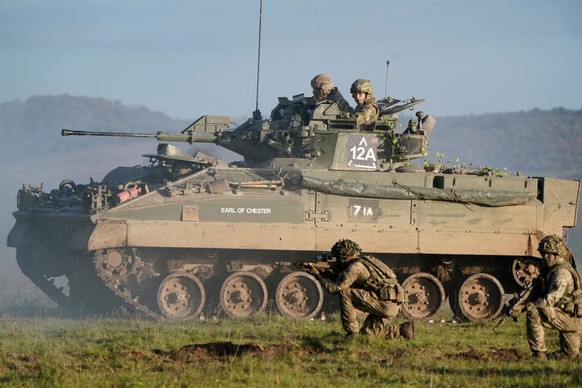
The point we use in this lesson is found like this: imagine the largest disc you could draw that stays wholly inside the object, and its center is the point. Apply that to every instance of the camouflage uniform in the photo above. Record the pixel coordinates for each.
(366, 115)
(370, 286)
(557, 308)
(366, 112)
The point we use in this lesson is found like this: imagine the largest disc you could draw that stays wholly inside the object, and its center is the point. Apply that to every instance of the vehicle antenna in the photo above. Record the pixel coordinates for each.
(386, 81)
(257, 112)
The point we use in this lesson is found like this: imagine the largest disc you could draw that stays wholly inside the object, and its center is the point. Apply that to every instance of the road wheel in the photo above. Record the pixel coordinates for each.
(480, 297)
(243, 294)
(299, 295)
(424, 296)
(181, 295)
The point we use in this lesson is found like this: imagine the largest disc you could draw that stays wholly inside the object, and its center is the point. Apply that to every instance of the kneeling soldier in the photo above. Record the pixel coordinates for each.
(368, 285)
(560, 304)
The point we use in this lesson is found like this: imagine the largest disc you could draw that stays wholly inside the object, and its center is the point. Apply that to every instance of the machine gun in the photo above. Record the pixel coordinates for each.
(514, 306)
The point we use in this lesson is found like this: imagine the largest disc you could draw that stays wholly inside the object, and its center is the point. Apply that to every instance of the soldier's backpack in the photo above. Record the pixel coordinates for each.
(384, 280)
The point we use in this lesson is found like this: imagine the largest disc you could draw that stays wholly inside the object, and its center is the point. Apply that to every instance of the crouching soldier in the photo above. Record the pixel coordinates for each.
(368, 285)
(560, 304)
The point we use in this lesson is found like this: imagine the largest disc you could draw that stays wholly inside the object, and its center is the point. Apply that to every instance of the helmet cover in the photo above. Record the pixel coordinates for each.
(552, 244)
(345, 248)
(323, 82)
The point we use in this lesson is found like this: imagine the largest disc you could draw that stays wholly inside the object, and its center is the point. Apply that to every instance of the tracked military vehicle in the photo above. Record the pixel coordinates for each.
(190, 236)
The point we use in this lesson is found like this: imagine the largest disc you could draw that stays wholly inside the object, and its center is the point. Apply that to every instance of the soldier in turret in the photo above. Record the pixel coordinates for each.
(366, 111)
(366, 284)
(560, 304)
(324, 90)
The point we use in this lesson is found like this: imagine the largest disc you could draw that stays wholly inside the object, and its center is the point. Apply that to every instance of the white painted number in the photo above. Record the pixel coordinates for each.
(362, 153)
(359, 210)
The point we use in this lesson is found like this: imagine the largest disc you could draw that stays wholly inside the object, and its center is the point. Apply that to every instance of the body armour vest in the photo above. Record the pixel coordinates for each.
(382, 280)
(570, 303)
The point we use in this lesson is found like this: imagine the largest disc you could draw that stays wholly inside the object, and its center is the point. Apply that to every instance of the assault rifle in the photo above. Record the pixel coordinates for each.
(514, 306)
(325, 264)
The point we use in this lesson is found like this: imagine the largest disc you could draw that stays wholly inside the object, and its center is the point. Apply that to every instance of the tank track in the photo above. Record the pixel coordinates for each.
(24, 261)
(120, 288)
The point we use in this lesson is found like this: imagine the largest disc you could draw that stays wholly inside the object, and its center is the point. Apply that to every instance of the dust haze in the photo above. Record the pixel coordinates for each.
(82, 159)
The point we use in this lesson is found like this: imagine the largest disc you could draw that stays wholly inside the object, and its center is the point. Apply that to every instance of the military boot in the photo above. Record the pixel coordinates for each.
(539, 355)
(407, 330)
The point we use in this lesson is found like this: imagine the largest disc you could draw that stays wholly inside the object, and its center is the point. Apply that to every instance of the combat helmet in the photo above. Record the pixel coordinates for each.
(552, 244)
(345, 248)
(322, 81)
(362, 85)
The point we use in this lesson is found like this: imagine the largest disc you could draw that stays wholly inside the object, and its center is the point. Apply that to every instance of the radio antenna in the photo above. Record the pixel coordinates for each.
(257, 112)
(386, 80)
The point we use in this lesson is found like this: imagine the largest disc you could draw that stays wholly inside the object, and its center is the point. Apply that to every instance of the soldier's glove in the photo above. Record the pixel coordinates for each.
(516, 311)
(345, 115)
(310, 269)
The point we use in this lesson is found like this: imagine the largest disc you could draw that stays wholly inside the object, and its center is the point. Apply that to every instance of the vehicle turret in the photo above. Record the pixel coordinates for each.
(303, 128)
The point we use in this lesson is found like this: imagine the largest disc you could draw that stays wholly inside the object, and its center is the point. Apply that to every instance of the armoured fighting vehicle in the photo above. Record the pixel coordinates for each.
(190, 236)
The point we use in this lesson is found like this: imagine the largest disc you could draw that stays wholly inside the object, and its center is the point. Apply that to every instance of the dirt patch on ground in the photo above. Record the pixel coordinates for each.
(221, 350)
(214, 349)
(490, 355)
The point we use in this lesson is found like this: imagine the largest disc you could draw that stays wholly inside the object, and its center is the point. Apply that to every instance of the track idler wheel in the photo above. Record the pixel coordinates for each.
(299, 295)
(181, 295)
(114, 263)
(243, 294)
(525, 270)
(424, 296)
(480, 297)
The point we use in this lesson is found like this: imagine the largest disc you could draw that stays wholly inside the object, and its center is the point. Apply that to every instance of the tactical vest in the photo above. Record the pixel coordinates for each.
(571, 303)
(382, 280)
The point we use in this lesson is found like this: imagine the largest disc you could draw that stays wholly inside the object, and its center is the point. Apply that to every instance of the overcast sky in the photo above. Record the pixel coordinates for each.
(187, 58)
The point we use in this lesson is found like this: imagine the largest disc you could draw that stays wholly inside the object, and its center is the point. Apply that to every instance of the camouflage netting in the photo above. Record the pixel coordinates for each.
(396, 191)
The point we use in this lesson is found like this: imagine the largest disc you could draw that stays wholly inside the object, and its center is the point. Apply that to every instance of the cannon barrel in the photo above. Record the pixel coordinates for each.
(188, 137)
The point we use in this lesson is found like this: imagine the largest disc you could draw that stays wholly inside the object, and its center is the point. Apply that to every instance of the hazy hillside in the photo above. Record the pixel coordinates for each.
(32, 151)
(534, 142)
(36, 123)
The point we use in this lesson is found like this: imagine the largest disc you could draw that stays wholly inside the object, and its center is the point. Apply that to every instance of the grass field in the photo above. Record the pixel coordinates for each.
(268, 351)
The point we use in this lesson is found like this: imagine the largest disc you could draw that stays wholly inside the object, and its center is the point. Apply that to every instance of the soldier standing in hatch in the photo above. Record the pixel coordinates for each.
(368, 285)
(324, 90)
(559, 307)
(366, 112)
